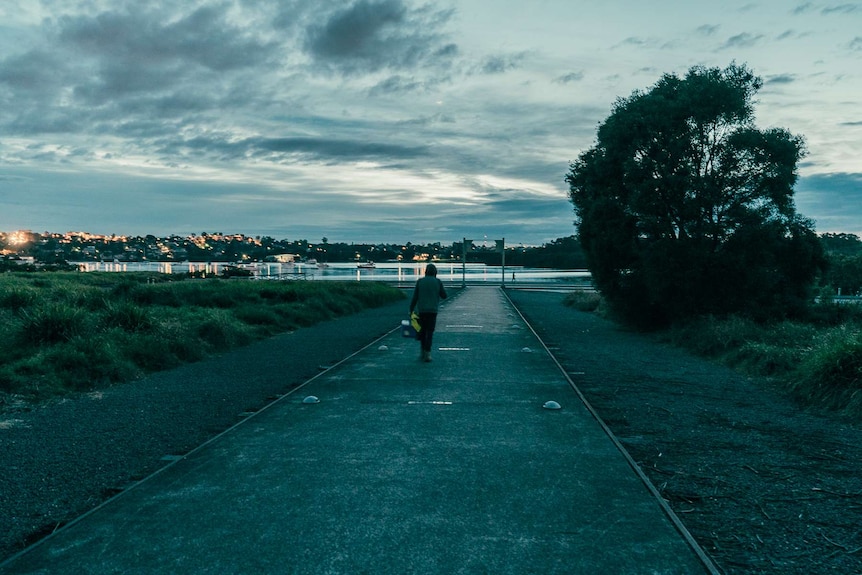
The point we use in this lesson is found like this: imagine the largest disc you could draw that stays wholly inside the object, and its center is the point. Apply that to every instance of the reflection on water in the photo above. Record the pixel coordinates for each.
(387, 272)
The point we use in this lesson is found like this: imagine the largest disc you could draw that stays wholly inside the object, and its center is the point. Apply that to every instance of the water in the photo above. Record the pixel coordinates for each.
(386, 272)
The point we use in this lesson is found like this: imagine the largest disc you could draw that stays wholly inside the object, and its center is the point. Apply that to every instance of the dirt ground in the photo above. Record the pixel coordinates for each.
(762, 484)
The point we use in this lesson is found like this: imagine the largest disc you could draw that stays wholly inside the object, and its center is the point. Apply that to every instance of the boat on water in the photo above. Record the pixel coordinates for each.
(367, 266)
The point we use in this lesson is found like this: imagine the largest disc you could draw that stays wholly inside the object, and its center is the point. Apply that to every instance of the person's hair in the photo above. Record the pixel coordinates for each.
(431, 270)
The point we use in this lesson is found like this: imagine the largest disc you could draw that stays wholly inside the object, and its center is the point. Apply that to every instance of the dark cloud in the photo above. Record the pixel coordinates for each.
(803, 8)
(781, 79)
(371, 35)
(141, 51)
(856, 44)
(33, 121)
(634, 41)
(570, 78)
(326, 150)
(34, 72)
(399, 84)
(708, 30)
(360, 31)
(333, 148)
(500, 64)
(435, 120)
(131, 65)
(744, 40)
(842, 9)
(142, 39)
(652, 43)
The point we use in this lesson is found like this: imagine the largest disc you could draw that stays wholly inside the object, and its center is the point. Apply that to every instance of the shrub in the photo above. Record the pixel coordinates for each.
(759, 358)
(222, 331)
(257, 315)
(51, 323)
(583, 301)
(154, 294)
(713, 337)
(18, 297)
(831, 374)
(127, 316)
(152, 353)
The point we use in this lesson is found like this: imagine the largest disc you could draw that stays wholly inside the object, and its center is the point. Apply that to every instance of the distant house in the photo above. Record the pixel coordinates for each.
(282, 258)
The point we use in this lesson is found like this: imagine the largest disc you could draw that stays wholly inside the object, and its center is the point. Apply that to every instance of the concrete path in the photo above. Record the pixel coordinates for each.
(402, 467)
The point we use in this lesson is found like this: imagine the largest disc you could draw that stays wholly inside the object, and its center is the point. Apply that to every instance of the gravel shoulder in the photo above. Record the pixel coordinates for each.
(62, 459)
(762, 484)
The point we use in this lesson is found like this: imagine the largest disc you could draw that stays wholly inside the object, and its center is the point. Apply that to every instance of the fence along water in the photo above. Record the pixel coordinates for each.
(394, 272)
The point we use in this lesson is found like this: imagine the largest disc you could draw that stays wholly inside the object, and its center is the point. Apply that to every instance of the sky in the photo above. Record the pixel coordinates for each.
(383, 120)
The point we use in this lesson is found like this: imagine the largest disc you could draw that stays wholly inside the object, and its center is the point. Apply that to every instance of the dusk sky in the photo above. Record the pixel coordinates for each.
(382, 120)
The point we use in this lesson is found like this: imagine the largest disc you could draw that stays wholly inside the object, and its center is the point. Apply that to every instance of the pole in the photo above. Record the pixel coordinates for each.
(503, 251)
(501, 247)
(464, 263)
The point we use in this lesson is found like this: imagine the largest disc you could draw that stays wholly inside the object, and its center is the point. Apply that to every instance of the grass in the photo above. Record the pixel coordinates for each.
(818, 360)
(68, 332)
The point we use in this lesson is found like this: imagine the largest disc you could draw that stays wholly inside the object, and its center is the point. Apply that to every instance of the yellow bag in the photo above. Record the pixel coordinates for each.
(414, 321)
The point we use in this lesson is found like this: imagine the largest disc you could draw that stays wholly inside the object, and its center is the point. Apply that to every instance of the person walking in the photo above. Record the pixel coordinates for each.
(427, 294)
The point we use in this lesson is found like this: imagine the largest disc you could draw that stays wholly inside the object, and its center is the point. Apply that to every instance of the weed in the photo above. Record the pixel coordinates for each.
(127, 316)
(223, 331)
(51, 323)
(18, 298)
(583, 301)
(831, 374)
(152, 353)
(258, 315)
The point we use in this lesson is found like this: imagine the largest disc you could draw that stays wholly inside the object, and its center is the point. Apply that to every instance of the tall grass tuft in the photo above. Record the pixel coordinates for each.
(831, 374)
(584, 301)
(127, 316)
(18, 297)
(51, 323)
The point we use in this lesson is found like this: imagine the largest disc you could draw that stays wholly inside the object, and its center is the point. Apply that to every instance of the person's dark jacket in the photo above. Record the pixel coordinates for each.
(427, 295)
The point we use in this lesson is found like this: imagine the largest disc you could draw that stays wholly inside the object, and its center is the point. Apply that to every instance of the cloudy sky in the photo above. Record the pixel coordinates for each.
(382, 120)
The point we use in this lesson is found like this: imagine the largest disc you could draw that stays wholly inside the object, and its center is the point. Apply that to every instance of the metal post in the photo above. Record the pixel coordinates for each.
(503, 251)
(464, 263)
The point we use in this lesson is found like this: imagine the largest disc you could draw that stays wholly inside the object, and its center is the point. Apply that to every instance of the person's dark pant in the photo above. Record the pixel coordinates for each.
(428, 323)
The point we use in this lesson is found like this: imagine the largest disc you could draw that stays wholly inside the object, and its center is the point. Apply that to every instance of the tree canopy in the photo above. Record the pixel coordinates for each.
(685, 207)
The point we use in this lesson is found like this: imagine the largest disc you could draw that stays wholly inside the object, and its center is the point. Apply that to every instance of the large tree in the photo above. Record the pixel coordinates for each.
(684, 207)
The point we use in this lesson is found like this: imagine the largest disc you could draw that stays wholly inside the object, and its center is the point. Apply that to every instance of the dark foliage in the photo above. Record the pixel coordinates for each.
(685, 208)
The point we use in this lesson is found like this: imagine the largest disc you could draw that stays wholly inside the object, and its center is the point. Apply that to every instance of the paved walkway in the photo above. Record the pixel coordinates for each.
(402, 467)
